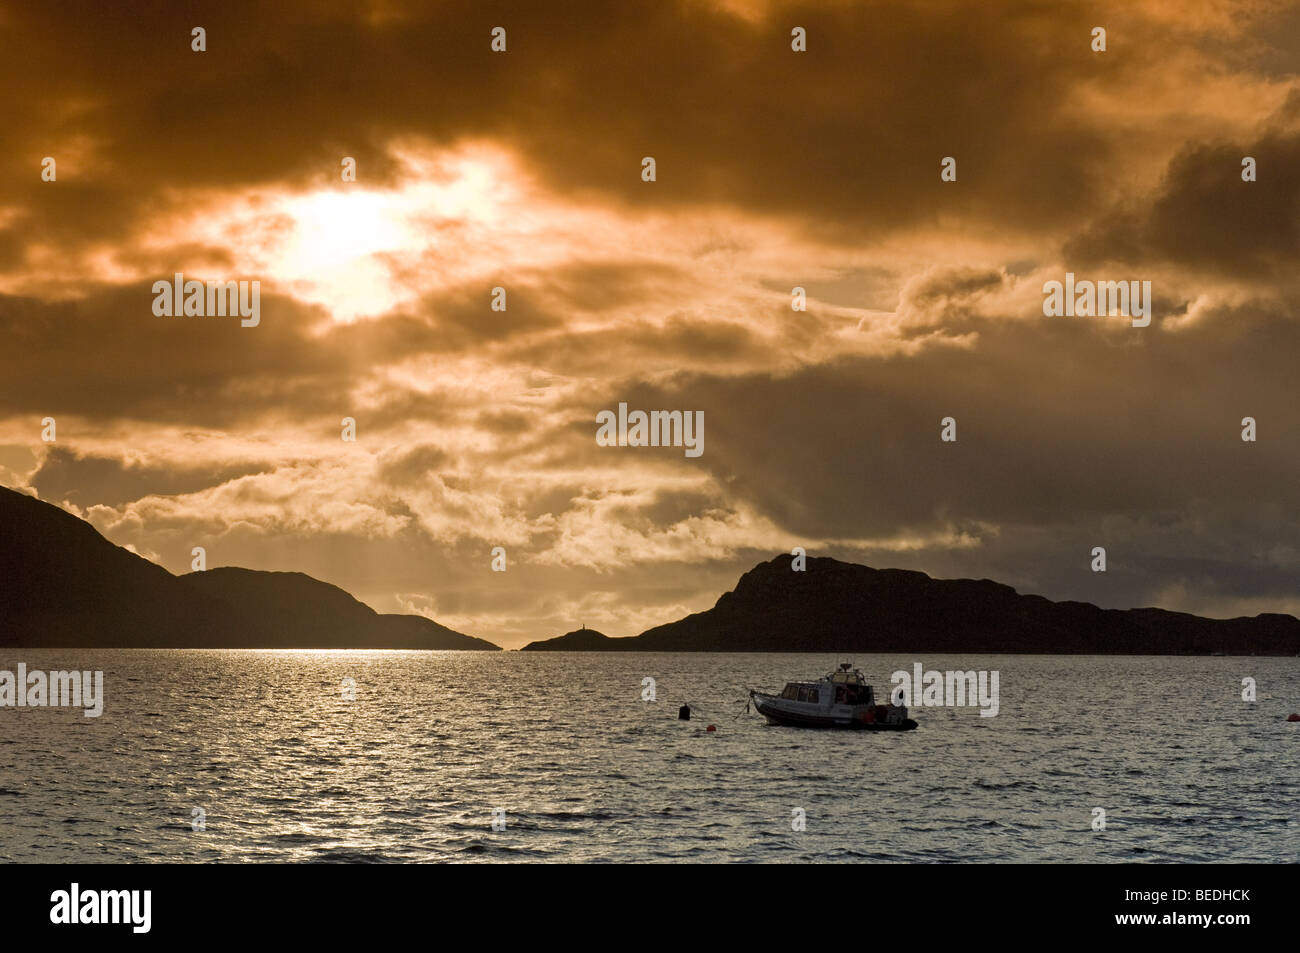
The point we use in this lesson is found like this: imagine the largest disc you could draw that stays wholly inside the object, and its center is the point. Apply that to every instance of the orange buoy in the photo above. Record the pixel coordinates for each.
(711, 728)
(1294, 718)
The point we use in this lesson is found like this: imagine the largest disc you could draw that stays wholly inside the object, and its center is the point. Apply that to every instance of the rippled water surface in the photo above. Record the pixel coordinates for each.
(287, 769)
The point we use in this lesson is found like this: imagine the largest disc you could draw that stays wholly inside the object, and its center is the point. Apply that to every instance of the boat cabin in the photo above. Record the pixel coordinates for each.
(843, 687)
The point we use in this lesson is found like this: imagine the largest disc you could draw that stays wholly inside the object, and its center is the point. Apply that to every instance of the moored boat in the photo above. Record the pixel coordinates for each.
(841, 699)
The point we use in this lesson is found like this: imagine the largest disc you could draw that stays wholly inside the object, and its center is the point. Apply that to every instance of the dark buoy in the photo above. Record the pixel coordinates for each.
(1294, 718)
(684, 713)
(711, 728)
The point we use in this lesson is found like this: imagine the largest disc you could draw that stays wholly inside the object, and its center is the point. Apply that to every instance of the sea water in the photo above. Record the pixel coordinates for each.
(372, 756)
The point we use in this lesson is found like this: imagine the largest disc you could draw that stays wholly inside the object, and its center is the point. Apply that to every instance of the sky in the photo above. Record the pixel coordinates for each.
(774, 169)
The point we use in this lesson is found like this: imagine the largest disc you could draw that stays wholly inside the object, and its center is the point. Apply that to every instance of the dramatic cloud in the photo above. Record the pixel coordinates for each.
(475, 409)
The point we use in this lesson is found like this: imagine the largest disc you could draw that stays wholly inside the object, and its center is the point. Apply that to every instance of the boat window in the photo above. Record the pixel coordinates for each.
(791, 691)
(814, 696)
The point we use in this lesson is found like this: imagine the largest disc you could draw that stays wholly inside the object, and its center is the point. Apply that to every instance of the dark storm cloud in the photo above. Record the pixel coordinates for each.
(90, 480)
(106, 355)
(846, 138)
(1068, 438)
(1055, 423)
(947, 297)
(412, 466)
(1205, 217)
(109, 356)
(461, 319)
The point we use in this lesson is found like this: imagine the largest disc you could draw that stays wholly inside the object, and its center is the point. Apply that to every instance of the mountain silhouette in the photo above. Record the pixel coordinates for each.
(834, 606)
(65, 585)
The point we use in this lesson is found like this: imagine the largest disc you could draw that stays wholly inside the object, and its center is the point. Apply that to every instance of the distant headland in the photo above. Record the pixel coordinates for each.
(834, 606)
(65, 585)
